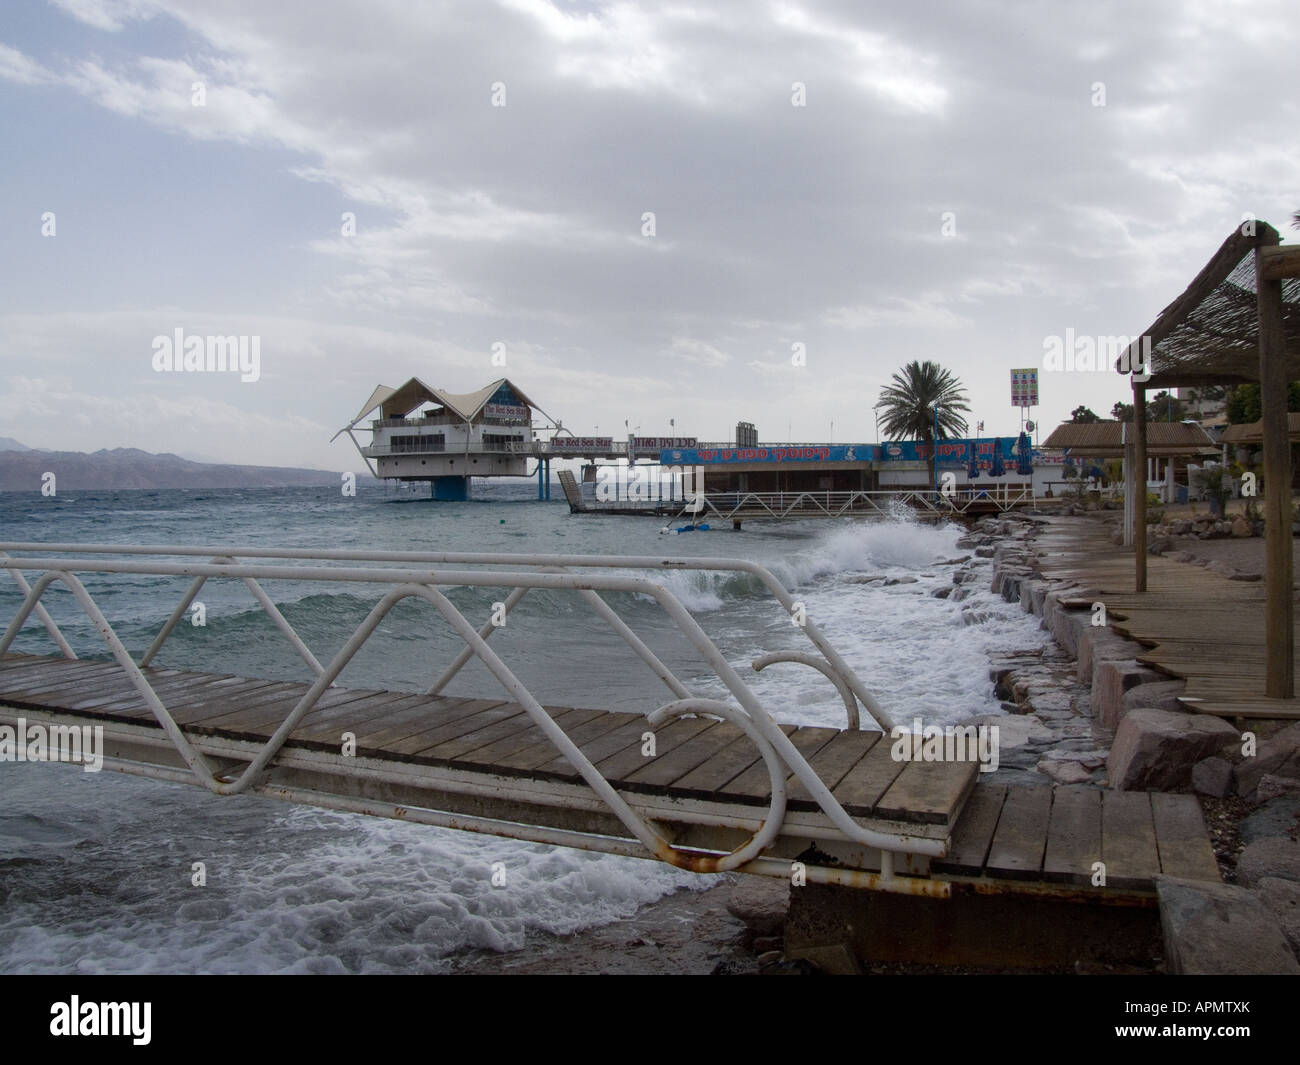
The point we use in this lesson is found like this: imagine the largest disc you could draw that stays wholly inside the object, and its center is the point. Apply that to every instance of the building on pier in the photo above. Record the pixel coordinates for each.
(429, 434)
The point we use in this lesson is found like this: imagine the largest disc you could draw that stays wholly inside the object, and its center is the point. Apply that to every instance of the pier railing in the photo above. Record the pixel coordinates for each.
(427, 576)
(883, 502)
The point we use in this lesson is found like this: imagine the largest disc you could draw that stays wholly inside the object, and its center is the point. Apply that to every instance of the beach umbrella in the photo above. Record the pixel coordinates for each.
(973, 470)
(999, 469)
(1024, 455)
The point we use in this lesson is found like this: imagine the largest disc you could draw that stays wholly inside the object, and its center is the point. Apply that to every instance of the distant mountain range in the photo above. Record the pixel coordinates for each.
(22, 469)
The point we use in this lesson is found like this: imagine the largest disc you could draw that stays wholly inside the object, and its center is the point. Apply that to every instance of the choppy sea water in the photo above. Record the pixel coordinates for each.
(96, 869)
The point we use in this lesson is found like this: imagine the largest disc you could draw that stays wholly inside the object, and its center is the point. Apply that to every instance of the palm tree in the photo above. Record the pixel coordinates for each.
(923, 399)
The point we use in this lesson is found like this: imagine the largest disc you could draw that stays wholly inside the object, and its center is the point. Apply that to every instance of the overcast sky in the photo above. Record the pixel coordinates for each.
(875, 182)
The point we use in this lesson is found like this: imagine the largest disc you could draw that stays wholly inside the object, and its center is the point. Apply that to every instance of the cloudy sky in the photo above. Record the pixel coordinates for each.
(875, 182)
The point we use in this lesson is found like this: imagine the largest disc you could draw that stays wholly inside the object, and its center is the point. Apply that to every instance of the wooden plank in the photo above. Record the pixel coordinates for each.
(754, 784)
(624, 763)
(1073, 836)
(504, 720)
(422, 729)
(1182, 840)
(355, 717)
(1128, 840)
(864, 784)
(98, 701)
(1280, 708)
(668, 766)
(34, 676)
(624, 740)
(200, 713)
(833, 760)
(264, 718)
(973, 832)
(544, 750)
(711, 775)
(1020, 840)
(52, 678)
(928, 792)
(526, 736)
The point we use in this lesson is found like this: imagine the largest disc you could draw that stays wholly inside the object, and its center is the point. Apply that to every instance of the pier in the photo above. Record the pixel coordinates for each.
(700, 783)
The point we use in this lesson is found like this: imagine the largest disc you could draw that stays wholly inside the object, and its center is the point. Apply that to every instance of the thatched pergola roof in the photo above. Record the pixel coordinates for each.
(1210, 334)
(1253, 433)
(1106, 439)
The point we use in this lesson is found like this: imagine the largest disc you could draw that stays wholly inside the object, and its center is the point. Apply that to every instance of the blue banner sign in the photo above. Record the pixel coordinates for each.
(951, 453)
(693, 456)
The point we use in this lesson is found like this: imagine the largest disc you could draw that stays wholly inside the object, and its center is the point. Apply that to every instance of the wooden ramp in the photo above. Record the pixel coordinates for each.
(705, 784)
(1197, 624)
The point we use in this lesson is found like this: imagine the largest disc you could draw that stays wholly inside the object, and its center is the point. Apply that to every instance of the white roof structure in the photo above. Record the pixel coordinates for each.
(400, 401)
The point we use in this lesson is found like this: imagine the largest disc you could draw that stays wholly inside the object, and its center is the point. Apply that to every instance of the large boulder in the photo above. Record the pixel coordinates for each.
(1220, 929)
(1282, 897)
(1274, 856)
(1155, 750)
(1279, 755)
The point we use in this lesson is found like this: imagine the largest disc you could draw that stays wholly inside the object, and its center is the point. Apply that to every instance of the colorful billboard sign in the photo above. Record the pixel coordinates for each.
(1024, 387)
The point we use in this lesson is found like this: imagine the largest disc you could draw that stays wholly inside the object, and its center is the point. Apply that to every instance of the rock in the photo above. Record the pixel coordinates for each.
(1276, 818)
(1241, 527)
(984, 552)
(1180, 528)
(1160, 545)
(1155, 750)
(1279, 755)
(1067, 626)
(954, 561)
(1240, 576)
(1098, 643)
(864, 580)
(1220, 929)
(1273, 856)
(958, 594)
(941, 593)
(1273, 787)
(973, 616)
(1110, 682)
(1159, 695)
(1064, 772)
(761, 903)
(1282, 898)
(900, 580)
(1213, 777)
(836, 960)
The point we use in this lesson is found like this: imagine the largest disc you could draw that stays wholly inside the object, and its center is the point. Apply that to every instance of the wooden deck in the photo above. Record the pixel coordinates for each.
(484, 756)
(696, 758)
(1056, 835)
(1197, 624)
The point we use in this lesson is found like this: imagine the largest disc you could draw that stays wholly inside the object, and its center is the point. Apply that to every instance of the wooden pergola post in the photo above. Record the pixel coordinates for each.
(1280, 668)
(1139, 473)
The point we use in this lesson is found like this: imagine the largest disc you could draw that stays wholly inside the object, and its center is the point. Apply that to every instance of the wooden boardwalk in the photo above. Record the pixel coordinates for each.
(486, 757)
(1195, 623)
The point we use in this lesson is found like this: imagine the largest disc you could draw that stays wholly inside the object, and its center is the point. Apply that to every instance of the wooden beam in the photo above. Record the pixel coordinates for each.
(1280, 668)
(1140, 487)
(1276, 263)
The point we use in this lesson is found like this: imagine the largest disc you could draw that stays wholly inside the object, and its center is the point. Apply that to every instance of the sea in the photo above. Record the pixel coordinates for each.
(99, 871)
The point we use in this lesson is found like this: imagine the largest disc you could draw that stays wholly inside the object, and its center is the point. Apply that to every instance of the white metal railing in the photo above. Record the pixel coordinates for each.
(407, 575)
(756, 505)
